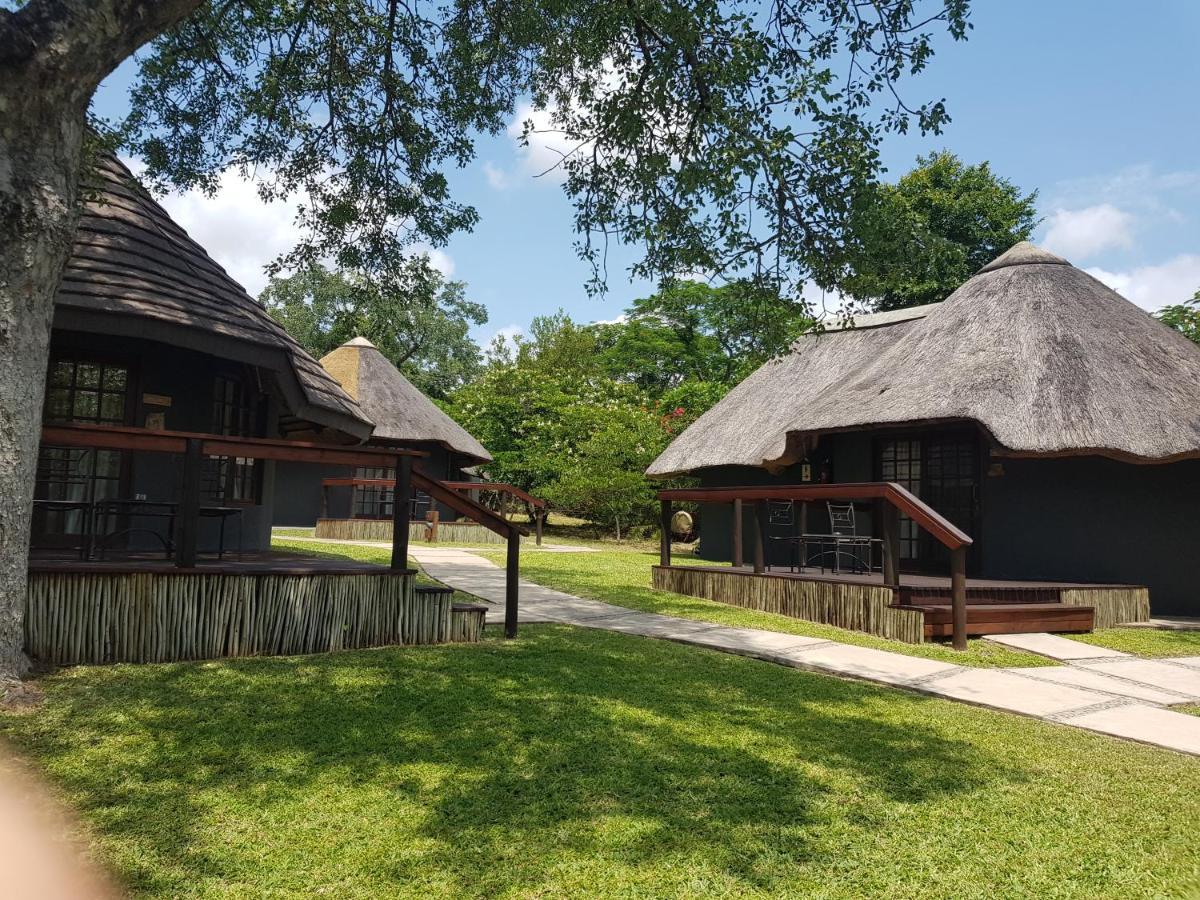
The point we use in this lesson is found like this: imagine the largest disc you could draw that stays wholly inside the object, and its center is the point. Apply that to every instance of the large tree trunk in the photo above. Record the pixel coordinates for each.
(53, 54)
(40, 152)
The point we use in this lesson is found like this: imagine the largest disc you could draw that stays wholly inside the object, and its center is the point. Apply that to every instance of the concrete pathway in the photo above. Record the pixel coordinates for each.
(1053, 646)
(1122, 696)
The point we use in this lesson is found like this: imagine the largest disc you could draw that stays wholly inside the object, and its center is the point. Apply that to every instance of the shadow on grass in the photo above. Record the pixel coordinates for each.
(502, 759)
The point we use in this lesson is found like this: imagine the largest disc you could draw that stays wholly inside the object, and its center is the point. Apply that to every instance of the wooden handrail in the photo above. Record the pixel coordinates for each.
(441, 492)
(945, 531)
(116, 437)
(499, 486)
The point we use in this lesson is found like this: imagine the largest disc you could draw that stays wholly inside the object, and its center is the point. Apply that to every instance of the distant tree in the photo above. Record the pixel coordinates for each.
(605, 482)
(689, 331)
(1183, 317)
(423, 329)
(916, 241)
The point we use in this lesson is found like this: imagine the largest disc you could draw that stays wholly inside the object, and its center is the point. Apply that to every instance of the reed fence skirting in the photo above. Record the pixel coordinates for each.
(163, 617)
(1113, 605)
(857, 607)
(466, 623)
(381, 530)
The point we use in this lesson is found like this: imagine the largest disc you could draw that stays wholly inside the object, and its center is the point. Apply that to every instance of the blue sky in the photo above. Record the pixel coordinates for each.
(1090, 103)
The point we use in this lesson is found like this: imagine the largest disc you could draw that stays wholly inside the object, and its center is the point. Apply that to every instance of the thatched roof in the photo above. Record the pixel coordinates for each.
(1043, 356)
(401, 413)
(133, 271)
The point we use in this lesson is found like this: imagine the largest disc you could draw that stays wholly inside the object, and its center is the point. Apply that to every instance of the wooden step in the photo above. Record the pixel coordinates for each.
(1007, 618)
(981, 596)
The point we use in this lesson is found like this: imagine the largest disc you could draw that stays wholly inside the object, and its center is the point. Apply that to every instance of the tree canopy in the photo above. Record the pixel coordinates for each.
(916, 241)
(1183, 317)
(692, 331)
(716, 136)
(424, 330)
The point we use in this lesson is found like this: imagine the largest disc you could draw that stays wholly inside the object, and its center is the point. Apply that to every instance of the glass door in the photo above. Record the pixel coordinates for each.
(78, 392)
(943, 470)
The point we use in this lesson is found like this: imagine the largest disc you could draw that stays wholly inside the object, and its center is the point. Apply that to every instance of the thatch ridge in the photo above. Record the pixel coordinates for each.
(133, 270)
(401, 413)
(1046, 358)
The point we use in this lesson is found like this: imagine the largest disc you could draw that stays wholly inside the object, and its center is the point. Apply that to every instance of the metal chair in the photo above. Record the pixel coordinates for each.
(843, 531)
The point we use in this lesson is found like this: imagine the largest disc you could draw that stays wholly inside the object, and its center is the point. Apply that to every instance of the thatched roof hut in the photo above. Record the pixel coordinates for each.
(401, 413)
(134, 272)
(1045, 358)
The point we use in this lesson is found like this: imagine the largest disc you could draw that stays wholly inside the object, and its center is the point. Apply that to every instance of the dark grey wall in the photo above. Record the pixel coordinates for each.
(186, 377)
(1086, 519)
(1098, 520)
(298, 486)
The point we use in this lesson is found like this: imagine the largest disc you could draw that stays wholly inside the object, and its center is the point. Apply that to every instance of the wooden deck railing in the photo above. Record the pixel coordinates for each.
(891, 500)
(194, 447)
(463, 488)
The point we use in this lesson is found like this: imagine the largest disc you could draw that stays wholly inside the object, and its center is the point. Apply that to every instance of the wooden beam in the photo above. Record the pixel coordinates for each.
(664, 542)
(188, 530)
(958, 596)
(115, 437)
(401, 512)
(739, 557)
(890, 531)
(512, 579)
(760, 536)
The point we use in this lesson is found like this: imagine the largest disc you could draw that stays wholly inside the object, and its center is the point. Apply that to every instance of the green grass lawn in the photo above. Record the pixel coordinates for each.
(578, 763)
(622, 577)
(1149, 642)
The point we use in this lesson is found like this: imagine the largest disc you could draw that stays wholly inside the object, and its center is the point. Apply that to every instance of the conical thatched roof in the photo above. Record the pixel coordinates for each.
(1045, 357)
(400, 412)
(133, 271)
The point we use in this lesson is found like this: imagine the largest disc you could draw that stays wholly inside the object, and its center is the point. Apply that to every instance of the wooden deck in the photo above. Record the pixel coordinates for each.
(994, 606)
(257, 563)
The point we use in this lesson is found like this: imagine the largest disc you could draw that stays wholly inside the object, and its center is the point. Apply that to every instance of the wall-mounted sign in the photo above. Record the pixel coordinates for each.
(156, 400)
(156, 421)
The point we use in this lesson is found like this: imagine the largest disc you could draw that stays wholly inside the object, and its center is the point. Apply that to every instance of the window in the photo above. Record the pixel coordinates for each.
(900, 461)
(86, 392)
(235, 412)
(371, 501)
(79, 391)
(375, 502)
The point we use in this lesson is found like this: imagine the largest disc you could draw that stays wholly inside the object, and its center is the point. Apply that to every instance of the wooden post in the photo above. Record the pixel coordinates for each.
(760, 536)
(539, 522)
(324, 501)
(512, 578)
(189, 506)
(890, 531)
(958, 595)
(739, 557)
(664, 541)
(401, 512)
(435, 519)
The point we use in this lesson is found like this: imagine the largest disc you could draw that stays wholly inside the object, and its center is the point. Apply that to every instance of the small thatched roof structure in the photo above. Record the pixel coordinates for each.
(1047, 359)
(401, 413)
(132, 271)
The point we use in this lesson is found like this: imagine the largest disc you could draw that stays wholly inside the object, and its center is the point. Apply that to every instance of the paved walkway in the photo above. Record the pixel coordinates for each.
(1122, 696)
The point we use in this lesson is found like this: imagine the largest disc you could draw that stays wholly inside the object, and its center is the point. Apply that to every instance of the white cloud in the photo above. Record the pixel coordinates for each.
(438, 258)
(496, 176)
(1081, 233)
(235, 226)
(1153, 287)
(547, 145)
(508, 332)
